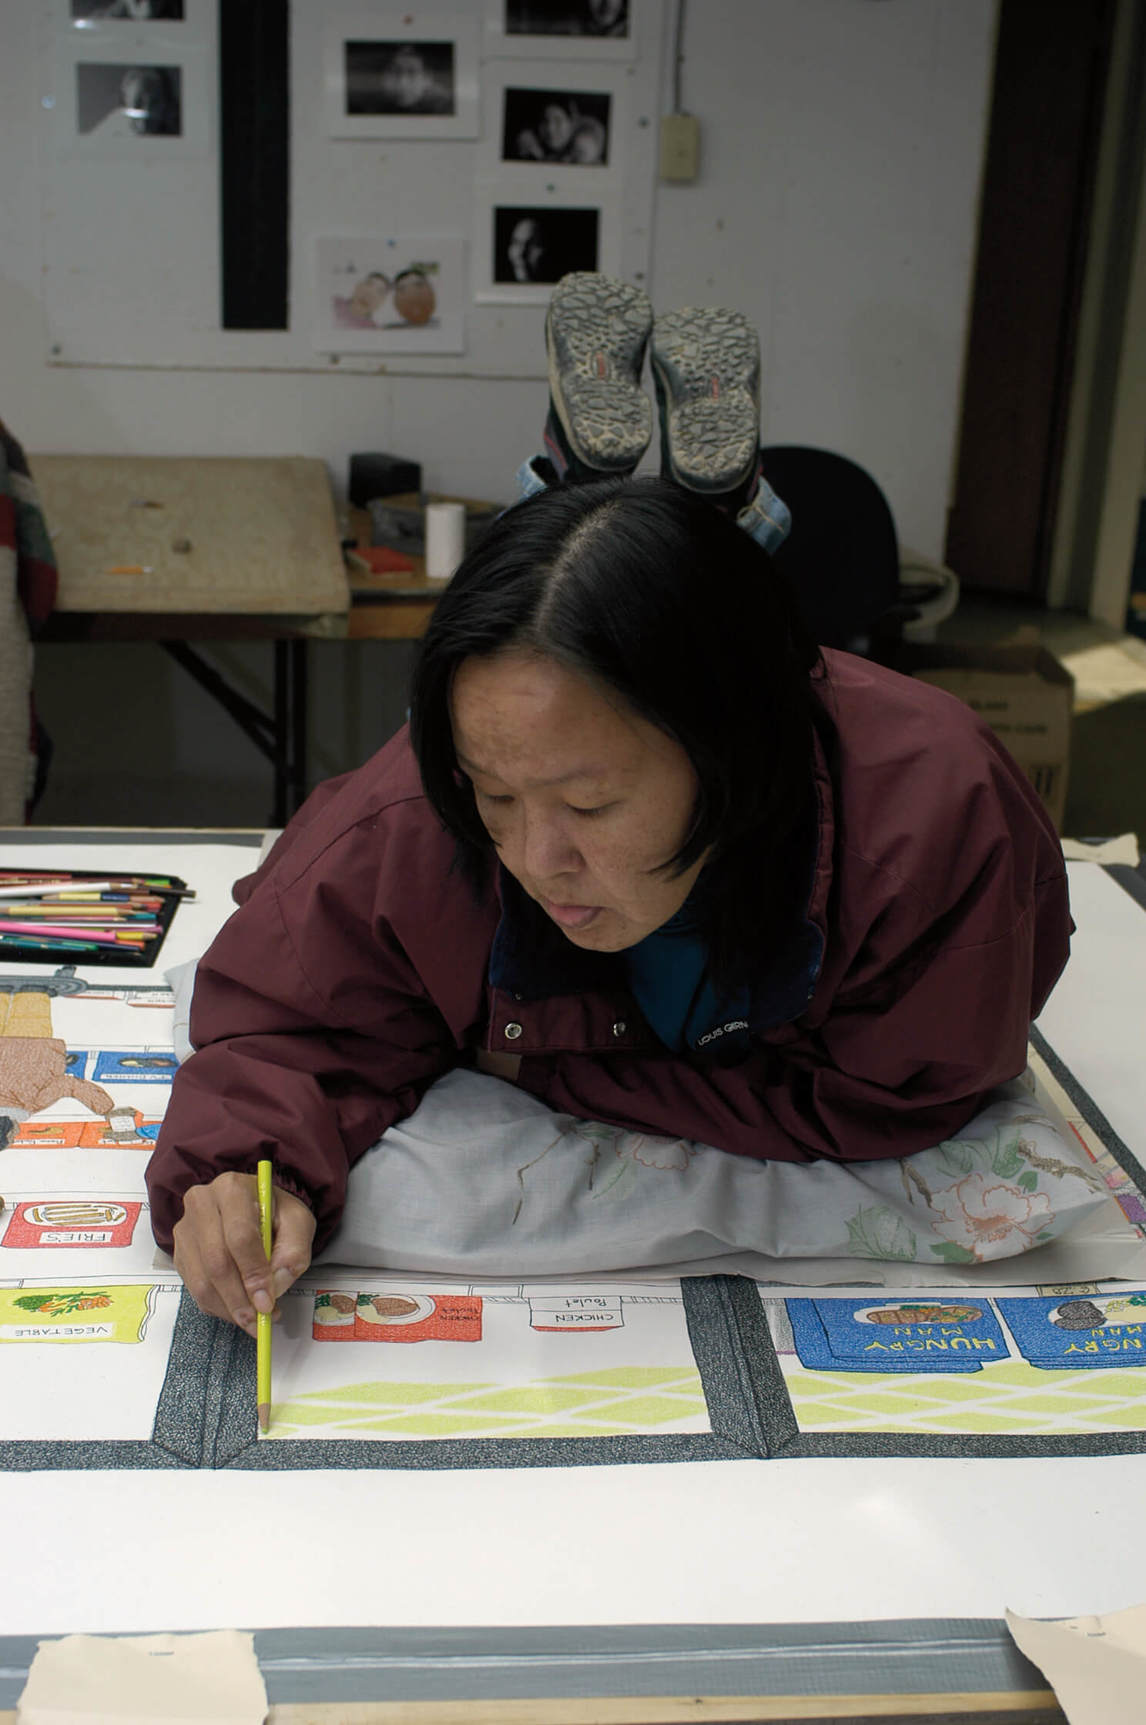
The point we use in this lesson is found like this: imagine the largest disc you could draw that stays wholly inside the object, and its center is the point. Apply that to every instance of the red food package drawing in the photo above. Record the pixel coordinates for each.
(390, 1316)
(73, 1222)
(394, 1317)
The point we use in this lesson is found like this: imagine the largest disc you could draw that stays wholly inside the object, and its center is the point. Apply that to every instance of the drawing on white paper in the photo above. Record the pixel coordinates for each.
(113, 1313)
(389, 1316)
(83, 1222)
(591, 1362)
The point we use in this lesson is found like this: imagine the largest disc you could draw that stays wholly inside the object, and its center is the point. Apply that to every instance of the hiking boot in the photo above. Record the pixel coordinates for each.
(706, 368)
(600, 420)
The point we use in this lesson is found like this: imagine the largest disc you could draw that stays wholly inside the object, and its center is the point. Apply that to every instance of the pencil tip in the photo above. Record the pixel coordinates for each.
(264, 1416)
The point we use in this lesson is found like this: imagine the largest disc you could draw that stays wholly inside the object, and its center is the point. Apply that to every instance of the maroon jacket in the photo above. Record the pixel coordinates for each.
(357, 970)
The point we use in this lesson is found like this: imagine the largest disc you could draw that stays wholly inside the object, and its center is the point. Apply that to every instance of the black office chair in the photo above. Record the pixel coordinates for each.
(841, 557)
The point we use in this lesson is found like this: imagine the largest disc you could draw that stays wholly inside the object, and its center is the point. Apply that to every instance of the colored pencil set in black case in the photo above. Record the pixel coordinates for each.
(86, 916)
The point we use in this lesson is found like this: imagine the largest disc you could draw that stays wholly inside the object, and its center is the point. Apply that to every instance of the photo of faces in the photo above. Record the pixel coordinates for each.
(128, 101)
(388, 293)
(408, 75)
(601, 18)
(399, 78)
(556, 126)
(142, 11)
(540, 245)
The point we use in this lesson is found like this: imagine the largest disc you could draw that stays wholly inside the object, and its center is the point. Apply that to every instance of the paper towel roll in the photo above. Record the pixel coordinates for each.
(445, 539)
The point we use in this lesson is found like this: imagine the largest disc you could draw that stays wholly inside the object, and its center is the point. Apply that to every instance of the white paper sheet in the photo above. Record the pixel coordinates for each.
(732, 1542)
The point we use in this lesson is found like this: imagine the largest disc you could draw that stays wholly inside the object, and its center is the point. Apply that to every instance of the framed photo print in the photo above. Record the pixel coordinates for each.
(109, 21)
(556, 126)
(92, 14)
(549, 114)
(527, 238)
(585, 29)
(388, 293)
(130, 103)
(409, 75)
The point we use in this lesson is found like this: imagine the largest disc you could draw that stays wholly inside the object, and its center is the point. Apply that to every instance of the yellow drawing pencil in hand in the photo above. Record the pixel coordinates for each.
(263, 1319)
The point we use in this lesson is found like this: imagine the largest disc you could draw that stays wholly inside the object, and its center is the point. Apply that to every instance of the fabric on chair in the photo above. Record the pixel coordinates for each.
(841, 557)
(27, 595)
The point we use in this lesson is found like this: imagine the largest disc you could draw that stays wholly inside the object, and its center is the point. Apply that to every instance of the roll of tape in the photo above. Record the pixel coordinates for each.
(445, 539)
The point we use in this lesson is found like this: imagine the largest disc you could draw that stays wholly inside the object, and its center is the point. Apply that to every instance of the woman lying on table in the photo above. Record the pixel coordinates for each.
(645, 853)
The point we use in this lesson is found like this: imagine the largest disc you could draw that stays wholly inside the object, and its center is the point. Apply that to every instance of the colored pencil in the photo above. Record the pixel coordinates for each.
(22, 885)
(34, 943)
(96, 935)
(263, 1319)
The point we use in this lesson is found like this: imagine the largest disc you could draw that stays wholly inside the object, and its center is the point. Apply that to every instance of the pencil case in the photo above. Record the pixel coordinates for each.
(55, 950)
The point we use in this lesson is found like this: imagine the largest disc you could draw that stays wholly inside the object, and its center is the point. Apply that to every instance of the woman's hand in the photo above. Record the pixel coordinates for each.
(219, 1249)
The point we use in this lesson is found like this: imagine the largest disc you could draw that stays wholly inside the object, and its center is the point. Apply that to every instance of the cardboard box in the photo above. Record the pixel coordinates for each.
(1023, 692)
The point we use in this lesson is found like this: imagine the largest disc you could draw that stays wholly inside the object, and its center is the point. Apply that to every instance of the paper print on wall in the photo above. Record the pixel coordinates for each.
(410, 74)
(398, 293)
(554, 124)
(159, 20)
(585, 29)
(129, 99)
(529, 232)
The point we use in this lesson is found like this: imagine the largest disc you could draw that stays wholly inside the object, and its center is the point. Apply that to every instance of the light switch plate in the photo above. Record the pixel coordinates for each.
(680, 147)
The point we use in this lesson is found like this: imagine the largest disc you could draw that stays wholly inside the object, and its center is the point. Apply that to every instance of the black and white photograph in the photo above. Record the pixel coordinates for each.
(597, 30)
(131, 11)
(557, 126)
(599, 18)
(539, 245)
(400, 78)
(126, 101)
(408, 75)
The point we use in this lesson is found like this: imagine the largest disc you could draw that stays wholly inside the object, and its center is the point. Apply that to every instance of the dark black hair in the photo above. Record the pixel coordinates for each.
(648, 590)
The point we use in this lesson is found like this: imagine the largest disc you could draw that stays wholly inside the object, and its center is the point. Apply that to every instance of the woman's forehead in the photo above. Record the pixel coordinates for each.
(526, 714)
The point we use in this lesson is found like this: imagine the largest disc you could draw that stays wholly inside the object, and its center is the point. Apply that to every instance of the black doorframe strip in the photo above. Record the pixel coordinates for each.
(254, 163)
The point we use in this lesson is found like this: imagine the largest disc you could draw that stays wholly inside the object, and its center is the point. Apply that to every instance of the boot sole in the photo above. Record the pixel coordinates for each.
(596, 330)
(706, 368)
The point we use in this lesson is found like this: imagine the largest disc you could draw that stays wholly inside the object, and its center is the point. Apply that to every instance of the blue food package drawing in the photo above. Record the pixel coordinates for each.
(896, 1334)
(1093, 1330)
(135, 1066)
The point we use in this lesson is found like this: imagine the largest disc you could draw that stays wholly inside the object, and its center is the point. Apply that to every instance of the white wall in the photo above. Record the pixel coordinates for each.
(842, 145)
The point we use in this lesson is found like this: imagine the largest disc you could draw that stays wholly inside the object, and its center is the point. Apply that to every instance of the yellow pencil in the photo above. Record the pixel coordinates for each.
(263, 1319)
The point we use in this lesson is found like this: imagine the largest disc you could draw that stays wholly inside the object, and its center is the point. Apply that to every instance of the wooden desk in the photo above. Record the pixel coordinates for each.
(393, 607)
(180, 549)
